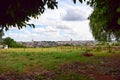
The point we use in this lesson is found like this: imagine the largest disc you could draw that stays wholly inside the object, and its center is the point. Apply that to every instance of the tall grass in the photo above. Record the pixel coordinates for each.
(49, 49)
(18, 60)
(35, 59)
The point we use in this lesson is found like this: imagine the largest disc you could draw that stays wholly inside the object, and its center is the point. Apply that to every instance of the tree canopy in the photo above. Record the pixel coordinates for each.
(16, 13)
(11, 43)
(104, 21)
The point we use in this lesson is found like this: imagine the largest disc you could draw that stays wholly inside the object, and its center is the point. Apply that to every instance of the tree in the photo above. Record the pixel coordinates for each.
(11, 43)
(8, 41)
(1, 34)
(18, 12)
(104, 21)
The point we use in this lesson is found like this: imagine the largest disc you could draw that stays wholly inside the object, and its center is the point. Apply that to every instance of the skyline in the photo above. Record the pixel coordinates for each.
(67, 22)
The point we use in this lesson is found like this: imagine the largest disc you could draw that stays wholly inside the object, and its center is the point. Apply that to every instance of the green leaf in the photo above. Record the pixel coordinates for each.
(74, 1)
(80, 1)
(119, 21)
(31, 25)
(118, 9)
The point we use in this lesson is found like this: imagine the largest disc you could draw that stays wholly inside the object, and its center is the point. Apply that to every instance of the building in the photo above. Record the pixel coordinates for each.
(55, 43)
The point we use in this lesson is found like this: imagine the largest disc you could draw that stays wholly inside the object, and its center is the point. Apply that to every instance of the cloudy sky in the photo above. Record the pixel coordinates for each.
(67, 22)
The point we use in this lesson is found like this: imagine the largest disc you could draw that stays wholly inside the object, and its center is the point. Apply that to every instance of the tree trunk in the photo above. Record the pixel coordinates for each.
(1, 34)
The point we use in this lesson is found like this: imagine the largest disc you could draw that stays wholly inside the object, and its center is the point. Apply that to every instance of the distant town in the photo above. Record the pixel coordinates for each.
(55, 43)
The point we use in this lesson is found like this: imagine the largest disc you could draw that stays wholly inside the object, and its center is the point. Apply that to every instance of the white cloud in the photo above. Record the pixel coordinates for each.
(66, 22)
(74, 15)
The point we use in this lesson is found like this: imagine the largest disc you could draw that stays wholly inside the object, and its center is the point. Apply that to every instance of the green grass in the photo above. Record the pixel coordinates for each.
(73, 76)
(50, 60)
(68, 76)
(36, 59)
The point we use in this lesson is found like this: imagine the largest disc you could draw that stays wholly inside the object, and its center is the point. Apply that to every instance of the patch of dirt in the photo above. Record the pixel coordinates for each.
(110, 66)
(107, 69)
(87, 54)
(85, 69)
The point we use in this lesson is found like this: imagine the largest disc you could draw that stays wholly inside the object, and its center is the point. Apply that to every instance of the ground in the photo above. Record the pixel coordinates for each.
(104, 68)
(107, 69)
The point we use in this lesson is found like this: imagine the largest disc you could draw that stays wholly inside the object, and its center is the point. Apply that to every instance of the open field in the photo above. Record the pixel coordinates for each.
(59, 63)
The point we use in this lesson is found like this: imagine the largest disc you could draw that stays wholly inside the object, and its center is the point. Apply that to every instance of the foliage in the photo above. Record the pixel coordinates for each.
(67, 44)
(73, 76)
(109, 48)
(11, 43)
(18, 12)
(104, 19)
(116, 44)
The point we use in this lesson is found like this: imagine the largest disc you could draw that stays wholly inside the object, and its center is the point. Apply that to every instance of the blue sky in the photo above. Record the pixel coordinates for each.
(67, 22)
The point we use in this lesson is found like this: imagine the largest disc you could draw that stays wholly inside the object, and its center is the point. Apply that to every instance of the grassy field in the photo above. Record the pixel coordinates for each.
(21, 59)
(41, 62)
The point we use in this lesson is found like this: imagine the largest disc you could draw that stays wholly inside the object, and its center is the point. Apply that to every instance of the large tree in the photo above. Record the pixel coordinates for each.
(11, 43)
(16, 13)
(104, 21)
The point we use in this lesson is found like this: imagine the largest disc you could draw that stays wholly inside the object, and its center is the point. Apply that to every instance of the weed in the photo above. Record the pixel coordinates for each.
(73, 76)
(39, 77)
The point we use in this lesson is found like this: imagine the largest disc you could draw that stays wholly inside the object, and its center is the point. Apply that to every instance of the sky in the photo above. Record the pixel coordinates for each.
(69, 21)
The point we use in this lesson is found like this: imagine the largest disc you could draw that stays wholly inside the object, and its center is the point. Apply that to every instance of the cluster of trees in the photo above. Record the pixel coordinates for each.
(104, 21)
(11, 43)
